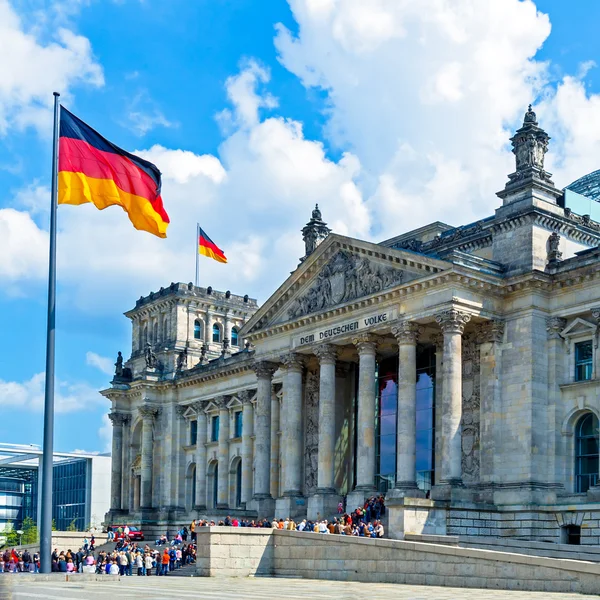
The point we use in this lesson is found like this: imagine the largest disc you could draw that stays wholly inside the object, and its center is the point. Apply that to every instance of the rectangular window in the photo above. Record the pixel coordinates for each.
(193, 432)
(238, 424)
(214, 429)
(584, 359)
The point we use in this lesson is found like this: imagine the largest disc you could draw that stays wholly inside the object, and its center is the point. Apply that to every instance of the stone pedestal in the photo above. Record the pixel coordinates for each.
(415, 515)
(290, 506)
(264, 506)
(322, 506)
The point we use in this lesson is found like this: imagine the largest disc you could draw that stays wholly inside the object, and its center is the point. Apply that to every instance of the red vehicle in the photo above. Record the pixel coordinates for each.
(135, 534)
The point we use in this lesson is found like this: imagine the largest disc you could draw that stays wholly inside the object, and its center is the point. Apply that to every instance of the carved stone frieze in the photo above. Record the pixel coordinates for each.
(344, 278)
(471, 403)
(311, 444)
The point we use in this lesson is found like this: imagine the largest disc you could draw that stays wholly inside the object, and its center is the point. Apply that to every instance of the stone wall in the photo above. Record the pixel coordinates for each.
(68, 540)
(241, 553)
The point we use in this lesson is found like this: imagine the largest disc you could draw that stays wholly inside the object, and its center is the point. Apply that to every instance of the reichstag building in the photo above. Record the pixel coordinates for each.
(453, 369)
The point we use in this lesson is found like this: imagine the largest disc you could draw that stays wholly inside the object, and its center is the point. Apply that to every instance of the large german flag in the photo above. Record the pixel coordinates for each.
(207, 247)
(92, 169)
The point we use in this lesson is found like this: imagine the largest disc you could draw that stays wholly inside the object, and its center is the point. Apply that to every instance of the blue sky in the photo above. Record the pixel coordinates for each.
(389, 116)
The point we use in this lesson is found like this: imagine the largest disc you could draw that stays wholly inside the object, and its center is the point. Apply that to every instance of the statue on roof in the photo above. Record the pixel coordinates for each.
(314, 232)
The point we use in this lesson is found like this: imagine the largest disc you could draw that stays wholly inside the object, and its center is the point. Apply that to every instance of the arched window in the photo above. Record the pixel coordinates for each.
(165, 329)
(234, 336)
(145, 337)
(216, 333)
(197, 330)
(586, 453)
(155, 336)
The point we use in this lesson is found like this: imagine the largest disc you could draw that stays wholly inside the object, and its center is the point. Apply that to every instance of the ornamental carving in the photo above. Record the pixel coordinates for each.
(554, 325)
(471, 403)
(344, 278)
(293, 361)
(406, 332)
(452, 320)
(148, 412)
(326, 353)
(490, 331)
(265, 369)
(118, 418)
(311, 445)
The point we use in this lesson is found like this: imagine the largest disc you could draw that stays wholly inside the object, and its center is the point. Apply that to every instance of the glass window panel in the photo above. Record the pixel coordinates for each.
(424, 462)
(424, 419)
(389, 397)
(388, 444)
(424, 440)
(388, 425)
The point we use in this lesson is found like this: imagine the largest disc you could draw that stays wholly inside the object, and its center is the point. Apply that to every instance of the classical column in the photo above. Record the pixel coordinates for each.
(208, 327)
(200, 500)
(453, 323)
(489, 337)
(406, 334)
(223, 482)
(148, 414)
(262, 430)
(247, 455)
(327, 355)
(292, 426)
(275, 410)
(118, 419)
(365, 422)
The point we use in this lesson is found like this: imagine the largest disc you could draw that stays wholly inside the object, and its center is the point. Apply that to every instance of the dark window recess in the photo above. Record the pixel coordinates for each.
(193, 432)
(584, 361)
(571, 534)
(238, 424)
(214, 429)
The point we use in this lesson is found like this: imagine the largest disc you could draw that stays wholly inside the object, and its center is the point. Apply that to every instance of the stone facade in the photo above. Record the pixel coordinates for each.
(457, 363)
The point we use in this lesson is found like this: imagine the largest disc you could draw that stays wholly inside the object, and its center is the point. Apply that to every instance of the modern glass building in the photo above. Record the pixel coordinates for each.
(81, 487)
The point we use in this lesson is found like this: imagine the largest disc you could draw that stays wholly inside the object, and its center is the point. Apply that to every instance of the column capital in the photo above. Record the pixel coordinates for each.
(245, 396)
(453, 320)
(490, 331)
(365, 344)
(265, 368)
(293, 362)
(406, 332)
(221, 402)
(554, 325)
(326, 353)
(199, 406)
(118, 418)
(148, 412)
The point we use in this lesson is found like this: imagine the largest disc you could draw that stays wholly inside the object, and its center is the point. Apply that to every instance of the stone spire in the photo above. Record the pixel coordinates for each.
(530, 144)
(314, 232)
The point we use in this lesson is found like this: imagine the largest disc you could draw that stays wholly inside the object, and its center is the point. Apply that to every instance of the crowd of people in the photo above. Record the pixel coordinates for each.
(171, 553)
(364, 521)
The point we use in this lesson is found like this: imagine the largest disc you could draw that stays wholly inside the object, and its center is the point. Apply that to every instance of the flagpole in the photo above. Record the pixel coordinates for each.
(197, 261)
(48, 447)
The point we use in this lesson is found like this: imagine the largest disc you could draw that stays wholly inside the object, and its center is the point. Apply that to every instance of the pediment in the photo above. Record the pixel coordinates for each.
(579, 327)
(341, 271)
(190, 413)
(235, 402)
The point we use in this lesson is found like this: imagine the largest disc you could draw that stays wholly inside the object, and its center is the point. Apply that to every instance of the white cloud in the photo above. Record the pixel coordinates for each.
(30, 70)
(102, 363)
(144, 114)
(252, 199)
(445, 81)
(105, 434)
(68, 397)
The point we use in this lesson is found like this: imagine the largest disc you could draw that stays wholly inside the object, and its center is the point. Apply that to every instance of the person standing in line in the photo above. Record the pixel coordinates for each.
(149, 563)
(165, 562)
(193, 530)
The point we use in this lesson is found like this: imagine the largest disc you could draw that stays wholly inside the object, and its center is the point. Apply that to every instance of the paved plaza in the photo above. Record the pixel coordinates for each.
(27, 588)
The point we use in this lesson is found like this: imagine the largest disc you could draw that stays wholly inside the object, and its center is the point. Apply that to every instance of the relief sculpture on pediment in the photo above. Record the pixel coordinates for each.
(344, 278)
